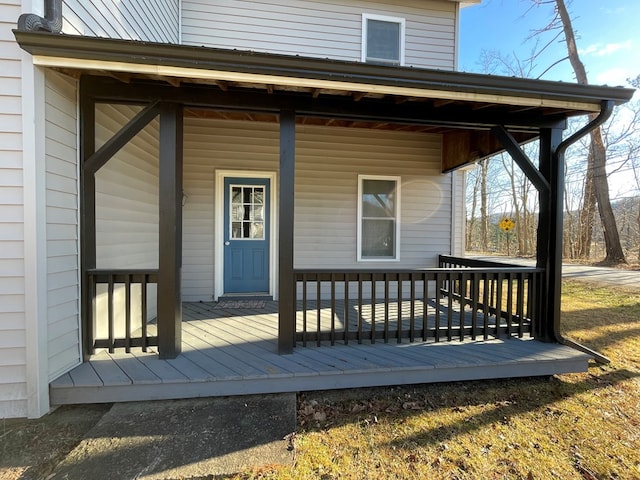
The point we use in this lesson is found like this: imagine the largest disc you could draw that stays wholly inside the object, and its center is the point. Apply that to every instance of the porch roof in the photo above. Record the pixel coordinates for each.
(439, 101)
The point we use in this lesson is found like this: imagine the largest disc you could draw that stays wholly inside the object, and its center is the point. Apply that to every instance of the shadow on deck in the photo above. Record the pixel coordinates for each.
(231, 349)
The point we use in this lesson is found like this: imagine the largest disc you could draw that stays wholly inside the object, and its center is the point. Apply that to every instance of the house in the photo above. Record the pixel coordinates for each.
(159, 157)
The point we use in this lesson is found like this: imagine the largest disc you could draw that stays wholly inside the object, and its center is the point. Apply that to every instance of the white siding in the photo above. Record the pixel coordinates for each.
(459, 215)
(127, 202)
(63, 290)
(320, 28)
(328, 161)
(13, 387)
(150, 20)
(211, 145)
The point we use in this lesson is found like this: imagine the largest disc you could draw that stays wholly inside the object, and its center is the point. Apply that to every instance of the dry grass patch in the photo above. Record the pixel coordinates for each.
(579, 426)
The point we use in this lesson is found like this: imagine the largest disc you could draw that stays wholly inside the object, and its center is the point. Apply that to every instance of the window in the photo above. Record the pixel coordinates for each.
(247, 212)
(382, 39)
(378, 218)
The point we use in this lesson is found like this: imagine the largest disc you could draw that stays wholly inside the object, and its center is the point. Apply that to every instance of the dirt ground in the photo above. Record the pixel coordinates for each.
(30, 449)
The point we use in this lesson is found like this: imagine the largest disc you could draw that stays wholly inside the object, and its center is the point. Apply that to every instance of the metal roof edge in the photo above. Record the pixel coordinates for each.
(207, 58)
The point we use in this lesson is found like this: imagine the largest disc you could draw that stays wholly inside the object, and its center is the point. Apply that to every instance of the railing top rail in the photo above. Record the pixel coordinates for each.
(122, 271)
(479, 262)
(434, 271)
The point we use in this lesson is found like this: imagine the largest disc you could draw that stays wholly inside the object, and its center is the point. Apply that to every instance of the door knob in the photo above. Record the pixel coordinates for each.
(227, 243)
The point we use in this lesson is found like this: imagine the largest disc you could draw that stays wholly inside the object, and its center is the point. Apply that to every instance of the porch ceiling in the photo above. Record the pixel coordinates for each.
(462, 107)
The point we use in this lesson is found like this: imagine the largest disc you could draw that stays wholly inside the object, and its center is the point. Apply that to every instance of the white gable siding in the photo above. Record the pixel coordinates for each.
(320, 28)
(328, 161)
(150, 20)
(63, 289)
(13, 387)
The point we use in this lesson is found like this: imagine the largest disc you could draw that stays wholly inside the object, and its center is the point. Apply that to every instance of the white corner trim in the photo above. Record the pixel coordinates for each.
(218, 231)
(35, 242)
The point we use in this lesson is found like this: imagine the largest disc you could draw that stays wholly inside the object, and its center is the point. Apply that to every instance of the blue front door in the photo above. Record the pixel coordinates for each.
(246, 235)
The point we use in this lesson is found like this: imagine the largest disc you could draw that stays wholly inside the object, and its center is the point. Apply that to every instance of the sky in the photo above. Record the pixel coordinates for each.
(608, 40)
(607, 34)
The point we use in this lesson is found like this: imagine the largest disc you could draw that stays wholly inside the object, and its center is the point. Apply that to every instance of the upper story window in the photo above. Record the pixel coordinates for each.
(378, 217)
(382, 39)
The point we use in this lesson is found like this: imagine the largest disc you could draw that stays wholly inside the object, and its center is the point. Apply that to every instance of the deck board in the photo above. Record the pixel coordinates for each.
(234, 352)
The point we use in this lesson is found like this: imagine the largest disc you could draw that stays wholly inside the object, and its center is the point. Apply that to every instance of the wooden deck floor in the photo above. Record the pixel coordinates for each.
(233, 351)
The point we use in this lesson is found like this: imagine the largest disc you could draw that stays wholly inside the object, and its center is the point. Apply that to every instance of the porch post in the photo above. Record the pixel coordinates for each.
(170, 231)
(87, 214)
(549, 244)
(286, 279)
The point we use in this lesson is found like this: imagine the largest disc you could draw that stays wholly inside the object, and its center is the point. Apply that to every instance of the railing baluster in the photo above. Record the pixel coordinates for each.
(373, 309)
(359, 308)
(520, 306)
(333, 309)
(304, 309)
(498, 314)
(386, 307)
(399, 299)
(127, 313)
(474, 304)
(450, 307)
(412, 308)
(110, 320)
(425, 305)
(91, 314)
(318, 311)
(486, 308)
(463, 304)
(346, 309)
(143, 314)
(438, 300)
(509, 303)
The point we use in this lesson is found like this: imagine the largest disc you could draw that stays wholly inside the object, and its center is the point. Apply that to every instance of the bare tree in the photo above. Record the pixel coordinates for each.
(596, 185)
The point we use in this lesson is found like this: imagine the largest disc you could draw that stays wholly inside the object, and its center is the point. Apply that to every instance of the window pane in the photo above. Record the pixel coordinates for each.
(236, 195)
(378, 238)
(378, 198)
(236, 230)
(257, 213)
(257, 230)
(383, 40)
(258, 196)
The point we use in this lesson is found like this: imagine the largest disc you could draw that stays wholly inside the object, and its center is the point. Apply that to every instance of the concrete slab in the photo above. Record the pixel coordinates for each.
(184, 439)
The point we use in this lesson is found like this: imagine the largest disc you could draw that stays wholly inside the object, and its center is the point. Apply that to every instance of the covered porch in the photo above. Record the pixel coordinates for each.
(230, 350)
(410, 318)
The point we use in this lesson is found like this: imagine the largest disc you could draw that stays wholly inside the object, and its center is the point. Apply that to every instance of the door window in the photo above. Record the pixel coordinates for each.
(247, 212)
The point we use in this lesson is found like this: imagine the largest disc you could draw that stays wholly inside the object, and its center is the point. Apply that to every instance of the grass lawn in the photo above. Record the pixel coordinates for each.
(579, 426)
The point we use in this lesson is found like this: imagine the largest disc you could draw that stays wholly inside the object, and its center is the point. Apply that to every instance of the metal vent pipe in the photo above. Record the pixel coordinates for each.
(52, 21)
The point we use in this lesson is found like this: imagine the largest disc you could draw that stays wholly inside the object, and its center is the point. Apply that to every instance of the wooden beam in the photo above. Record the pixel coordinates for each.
(527, 166)
(315, 93)
(173, 81)
(122, 137)
(269, 89)
(87, 132)
(286, 200)
(170, 231)
(549, 235)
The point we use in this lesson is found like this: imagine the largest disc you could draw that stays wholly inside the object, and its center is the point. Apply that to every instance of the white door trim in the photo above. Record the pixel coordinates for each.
(218, 233)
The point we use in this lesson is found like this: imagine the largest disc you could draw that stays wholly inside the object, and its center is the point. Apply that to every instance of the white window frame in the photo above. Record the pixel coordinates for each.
(396, 257)
(383, 18)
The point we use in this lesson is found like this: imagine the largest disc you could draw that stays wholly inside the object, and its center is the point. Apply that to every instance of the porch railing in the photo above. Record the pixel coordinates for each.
(449, 303)
(118, 315)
